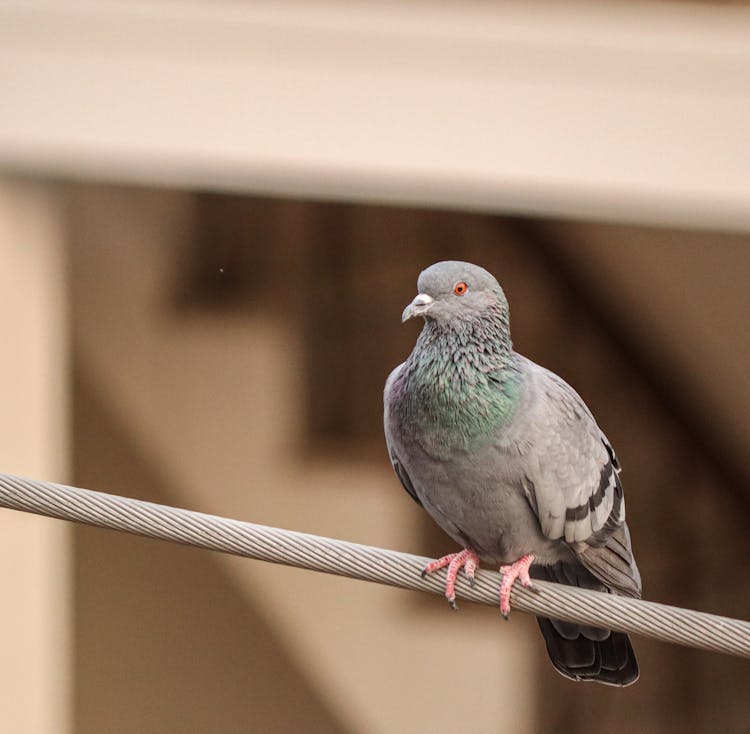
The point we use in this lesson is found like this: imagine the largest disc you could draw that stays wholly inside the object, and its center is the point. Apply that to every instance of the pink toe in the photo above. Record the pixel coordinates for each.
(518, 570)
(466, 559)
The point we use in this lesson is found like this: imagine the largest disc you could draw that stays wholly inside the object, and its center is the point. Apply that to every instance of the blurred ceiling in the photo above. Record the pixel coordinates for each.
(628, 112)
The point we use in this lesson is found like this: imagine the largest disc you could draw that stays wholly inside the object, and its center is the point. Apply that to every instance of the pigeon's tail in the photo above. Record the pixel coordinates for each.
(580, 652)
(574, 654)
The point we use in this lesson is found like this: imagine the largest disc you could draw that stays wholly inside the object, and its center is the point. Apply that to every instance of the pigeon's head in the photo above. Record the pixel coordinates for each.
(456, 291)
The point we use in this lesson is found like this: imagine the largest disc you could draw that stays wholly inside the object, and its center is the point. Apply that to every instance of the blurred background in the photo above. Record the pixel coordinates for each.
(211, 218)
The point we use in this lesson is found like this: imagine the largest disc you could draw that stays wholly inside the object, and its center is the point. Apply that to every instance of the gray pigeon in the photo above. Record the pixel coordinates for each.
(508, 460)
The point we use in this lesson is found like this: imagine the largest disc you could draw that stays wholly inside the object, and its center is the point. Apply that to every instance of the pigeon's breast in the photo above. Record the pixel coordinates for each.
(470, 482)
(478, 498)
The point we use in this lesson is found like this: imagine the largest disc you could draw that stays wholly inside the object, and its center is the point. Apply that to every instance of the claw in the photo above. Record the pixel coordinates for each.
(454, 561)
(518, 570)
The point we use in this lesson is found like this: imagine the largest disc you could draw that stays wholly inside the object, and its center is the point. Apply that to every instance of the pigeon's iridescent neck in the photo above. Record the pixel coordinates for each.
(460, 384)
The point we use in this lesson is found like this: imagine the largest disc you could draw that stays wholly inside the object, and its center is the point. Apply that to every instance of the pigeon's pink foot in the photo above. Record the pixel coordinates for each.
(518, 570)
(455, 561)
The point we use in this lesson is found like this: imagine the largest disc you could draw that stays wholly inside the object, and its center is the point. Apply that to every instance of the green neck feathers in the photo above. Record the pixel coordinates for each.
(461, 382)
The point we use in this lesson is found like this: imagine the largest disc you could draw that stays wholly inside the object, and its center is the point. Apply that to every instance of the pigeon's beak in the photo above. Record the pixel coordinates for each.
(418, 307)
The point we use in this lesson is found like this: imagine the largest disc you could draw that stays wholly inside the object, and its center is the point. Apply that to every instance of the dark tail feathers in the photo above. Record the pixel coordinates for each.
(610, 660)
(585, 653)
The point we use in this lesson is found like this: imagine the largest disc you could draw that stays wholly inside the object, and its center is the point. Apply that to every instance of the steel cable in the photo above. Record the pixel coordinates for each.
(668, 623)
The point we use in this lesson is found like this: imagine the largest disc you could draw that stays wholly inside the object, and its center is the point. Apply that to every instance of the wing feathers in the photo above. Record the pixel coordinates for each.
(585, 519)
(613, 562)
(397, 465)
(574, 484)
(405, 480)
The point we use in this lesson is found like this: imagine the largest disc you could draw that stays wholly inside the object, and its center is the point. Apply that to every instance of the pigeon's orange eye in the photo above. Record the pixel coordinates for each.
(460, 288)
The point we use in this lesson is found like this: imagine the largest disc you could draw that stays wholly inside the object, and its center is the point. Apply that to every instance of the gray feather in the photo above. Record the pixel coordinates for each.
(398, 467)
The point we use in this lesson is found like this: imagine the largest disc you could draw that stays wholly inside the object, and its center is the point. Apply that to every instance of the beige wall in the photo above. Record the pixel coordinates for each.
(635, 112)
(203, 407)
(35, 678)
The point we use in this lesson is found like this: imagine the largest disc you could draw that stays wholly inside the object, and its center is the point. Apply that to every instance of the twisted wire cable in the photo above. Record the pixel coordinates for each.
(667, 623)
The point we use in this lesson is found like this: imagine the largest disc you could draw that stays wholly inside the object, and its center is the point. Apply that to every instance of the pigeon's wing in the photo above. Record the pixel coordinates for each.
(398, 467)
(572, 480)
(404, 477)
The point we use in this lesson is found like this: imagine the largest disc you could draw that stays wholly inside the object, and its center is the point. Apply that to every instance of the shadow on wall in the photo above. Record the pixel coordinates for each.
(164, 641)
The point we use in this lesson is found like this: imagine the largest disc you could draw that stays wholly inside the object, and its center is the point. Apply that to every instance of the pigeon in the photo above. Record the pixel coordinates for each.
(505, 456)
